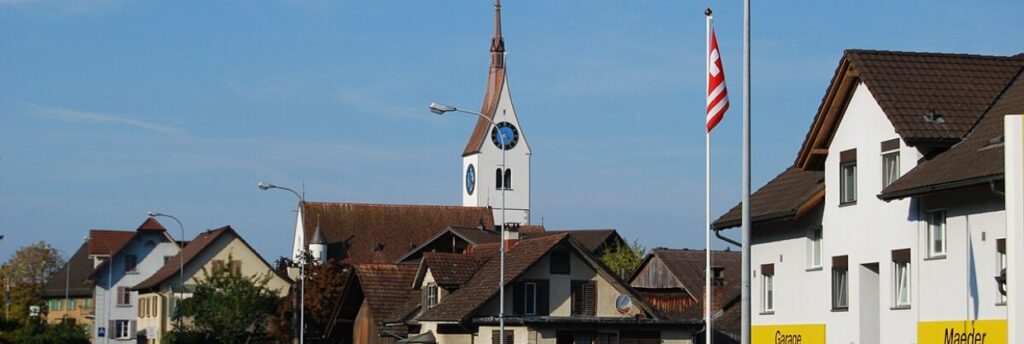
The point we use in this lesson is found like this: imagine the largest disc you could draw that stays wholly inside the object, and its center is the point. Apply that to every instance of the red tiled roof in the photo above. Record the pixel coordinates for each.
(151, 224)
(977, 159)
(594, 240)
(381, 233)
(781, 198)
(386, 287)
(908, 86)
(451, 270)
(78, 282)
(103, 242)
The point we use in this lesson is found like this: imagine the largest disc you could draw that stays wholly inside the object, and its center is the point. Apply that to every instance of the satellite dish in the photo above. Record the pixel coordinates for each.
(623, 304)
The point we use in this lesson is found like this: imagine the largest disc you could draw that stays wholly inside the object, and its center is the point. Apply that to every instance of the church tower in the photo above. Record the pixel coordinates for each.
(483, 174)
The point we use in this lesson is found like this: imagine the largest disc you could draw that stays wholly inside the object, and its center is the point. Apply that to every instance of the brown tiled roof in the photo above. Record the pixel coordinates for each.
(974, 160)
(104, 242)
(526, 229)
(78, 282)
(908, 86)
(195, 247)
(381, 233)
(786, 196)
(476, 236)
(451, 270)
(151, 224)
(386, 287)
(593, 239)
(460, 304)
(687, 266)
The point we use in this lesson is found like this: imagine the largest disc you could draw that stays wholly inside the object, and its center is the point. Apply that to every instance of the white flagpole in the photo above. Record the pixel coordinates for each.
(707, 188)
(745, 184)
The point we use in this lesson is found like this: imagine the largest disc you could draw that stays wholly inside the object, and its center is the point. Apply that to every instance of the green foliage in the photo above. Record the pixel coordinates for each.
(623, 259)
(27, 271)
(226, 307)
(34, 332)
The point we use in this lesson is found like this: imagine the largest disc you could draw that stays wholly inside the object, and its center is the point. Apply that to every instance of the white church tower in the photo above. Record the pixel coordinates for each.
(484, 177)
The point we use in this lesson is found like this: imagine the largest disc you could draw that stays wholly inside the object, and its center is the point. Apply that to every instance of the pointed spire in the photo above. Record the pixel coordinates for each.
(497, 41)
(318, 237)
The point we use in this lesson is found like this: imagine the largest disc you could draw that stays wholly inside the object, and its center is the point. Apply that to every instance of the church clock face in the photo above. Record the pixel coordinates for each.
(470, 179)
(508, 132)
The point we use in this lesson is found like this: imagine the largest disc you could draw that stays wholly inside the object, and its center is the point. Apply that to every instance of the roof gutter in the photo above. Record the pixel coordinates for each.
(718, 234)
(756, 219)
(918, 191)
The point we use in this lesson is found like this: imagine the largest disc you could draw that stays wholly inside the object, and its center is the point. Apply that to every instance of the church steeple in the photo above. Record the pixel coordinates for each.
(497, 41)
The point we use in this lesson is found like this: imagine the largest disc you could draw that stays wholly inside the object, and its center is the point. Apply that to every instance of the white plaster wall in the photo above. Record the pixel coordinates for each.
(489, 159)
(150, 259)
(801, 294)
(1014, 162)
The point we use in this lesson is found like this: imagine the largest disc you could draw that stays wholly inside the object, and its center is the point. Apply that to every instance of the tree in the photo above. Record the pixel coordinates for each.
(227, 307)
(35, 331)
(26, 273)
(325, 287)
(623, 259)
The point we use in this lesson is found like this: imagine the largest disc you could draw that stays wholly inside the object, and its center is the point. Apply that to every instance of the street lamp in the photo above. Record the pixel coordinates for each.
(441, 109)
(181, 259)
(110, 282)
(302, 262)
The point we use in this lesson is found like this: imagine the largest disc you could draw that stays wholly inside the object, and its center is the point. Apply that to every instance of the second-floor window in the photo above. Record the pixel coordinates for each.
(840, 283)
(848, 176)
(584, 298)
(936, 233)
(768, 288)
(890, 161)
(814, 248)
(901, 278)
(124, 296)
(131, 263)
(530, 297)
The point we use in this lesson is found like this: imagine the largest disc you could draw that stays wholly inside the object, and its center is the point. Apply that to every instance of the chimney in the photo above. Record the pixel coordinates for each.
(717, 288)
(511, 234)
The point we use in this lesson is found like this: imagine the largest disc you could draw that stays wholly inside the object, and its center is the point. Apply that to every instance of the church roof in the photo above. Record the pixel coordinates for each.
(495, 82)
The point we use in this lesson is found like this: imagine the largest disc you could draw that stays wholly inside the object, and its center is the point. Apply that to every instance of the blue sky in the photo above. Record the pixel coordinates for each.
(110, 108)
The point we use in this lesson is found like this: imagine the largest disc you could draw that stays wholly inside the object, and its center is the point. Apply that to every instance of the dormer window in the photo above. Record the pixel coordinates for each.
(430, 295)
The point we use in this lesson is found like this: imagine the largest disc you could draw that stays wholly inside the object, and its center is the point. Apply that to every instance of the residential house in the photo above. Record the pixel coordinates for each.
(122, 259)
(888, 226)
(209, 252)
(68, 292)
(673, 282)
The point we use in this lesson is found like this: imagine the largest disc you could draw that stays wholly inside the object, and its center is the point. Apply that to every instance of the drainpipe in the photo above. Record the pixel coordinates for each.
(718, 234)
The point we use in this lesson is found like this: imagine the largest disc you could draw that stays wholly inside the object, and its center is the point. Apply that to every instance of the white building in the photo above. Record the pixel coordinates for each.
(889, 227)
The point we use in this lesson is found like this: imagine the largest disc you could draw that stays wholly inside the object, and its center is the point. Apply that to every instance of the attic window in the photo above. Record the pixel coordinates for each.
(560, 263)
(934, 117)
(718, 275)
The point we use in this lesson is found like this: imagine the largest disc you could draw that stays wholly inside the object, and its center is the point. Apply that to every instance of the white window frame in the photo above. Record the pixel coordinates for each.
(432, 295)
(930, 217)
(814, 248)
(1000, 265)
(841, 292)
(122, 329)
(847, 196)
(529, 298)
(768, 293)
(886, 181)
(901, 285)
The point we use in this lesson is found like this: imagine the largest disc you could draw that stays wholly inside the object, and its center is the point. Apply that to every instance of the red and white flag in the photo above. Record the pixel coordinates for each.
(718, 95)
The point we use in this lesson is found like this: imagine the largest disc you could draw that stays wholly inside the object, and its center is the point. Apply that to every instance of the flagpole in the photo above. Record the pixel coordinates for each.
(745, 185)
(707, 191)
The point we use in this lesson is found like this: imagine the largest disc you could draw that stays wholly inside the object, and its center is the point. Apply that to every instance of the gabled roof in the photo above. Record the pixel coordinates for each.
(151, 224)
(908, 86)
(787, 196)
(687, 267)
(461, 304)
(78, 282)
(104, 242)
(381, 233)
(386, 287)
(595, 240)
(450, 270)
(448, 238)
(977, 159)
(201, 243)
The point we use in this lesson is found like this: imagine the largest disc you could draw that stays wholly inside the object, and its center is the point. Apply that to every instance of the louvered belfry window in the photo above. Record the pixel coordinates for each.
(584, 297)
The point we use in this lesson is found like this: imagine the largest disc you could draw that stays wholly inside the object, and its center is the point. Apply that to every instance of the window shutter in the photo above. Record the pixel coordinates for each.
(111, 329)
(423, 298)
(890, 145)
(577, 298)
(840, 262)
(543, 307)
(901, 256)
(131, 329)
(236, 267)
(1001, 246)
(509, 339)
(848, 156)
(590, 295)
(518, 298)
(768, 269)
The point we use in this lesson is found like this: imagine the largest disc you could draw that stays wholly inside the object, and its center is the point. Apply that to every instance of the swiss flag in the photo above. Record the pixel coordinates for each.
(718, 95)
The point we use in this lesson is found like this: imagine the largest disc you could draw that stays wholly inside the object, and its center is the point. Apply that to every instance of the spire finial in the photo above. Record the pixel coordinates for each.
(497, 42)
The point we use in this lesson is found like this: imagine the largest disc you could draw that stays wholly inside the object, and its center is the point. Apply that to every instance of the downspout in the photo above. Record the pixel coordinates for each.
(719, 235)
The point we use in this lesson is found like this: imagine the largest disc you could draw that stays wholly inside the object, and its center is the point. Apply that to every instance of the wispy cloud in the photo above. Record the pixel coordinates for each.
(74, 7)
(365, 101)
(69, 115)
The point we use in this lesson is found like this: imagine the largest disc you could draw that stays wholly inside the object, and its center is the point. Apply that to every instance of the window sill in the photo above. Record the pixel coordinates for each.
(767, 313)
(847, 204)
(844, 309)
(936, 257)
(124, 306)
(899, 308)
(816, 268)
(1001, 304)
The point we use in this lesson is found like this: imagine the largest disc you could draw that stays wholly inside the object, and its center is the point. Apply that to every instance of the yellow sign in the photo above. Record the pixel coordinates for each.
(788, 334)
(962, 332)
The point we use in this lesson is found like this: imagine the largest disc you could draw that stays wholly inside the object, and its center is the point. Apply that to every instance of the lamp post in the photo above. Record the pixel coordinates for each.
(67, 285)
(302, 262)
(181, 259)
(110, 282)
(440, 109)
